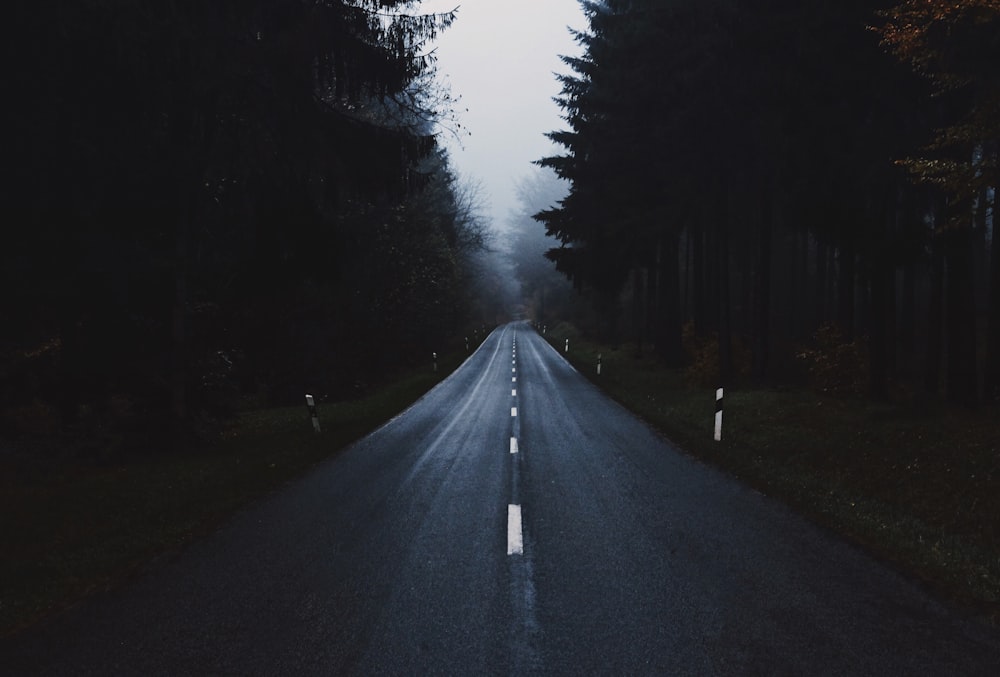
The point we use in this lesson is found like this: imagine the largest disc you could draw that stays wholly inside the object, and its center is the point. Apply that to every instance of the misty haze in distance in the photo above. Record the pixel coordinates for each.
(500, 58)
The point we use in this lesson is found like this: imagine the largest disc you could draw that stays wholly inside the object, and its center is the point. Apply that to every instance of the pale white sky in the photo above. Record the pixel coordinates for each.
(499, 56)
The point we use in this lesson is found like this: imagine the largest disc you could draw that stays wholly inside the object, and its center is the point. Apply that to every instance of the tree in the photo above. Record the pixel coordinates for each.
(625, 156)
(543, 290)
(185, 176)
(744, 131)
(954, 44)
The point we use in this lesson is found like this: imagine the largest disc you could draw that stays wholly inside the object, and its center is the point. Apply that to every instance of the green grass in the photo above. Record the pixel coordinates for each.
(68, 529)
(916, 484)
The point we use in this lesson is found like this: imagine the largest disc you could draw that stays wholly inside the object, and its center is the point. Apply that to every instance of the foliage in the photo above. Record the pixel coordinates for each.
(214, 199)
(954, 45)
(740, 165)
(703, 354)
(620, 161)
(836, 366)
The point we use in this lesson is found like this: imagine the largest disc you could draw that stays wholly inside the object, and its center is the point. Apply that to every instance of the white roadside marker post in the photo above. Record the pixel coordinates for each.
(718, 414)
(311, 404)
(434, 356)
(598, 364)
(466, 344)
(567, 346)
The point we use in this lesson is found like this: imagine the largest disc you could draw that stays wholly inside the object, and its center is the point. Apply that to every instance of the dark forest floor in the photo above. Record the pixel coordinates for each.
(913, 482)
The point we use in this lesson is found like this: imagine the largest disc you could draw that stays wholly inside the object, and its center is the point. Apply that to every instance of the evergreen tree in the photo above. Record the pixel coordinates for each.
(955, 45)
(183, 174)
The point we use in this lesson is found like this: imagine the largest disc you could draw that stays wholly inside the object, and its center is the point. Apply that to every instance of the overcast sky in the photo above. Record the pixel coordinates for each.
(499, 56)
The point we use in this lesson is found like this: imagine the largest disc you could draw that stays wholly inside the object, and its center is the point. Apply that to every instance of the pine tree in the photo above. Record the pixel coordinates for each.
(954, 44)
(181, 166)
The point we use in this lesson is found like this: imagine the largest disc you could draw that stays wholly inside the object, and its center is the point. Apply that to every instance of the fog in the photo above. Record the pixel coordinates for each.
(499, 59)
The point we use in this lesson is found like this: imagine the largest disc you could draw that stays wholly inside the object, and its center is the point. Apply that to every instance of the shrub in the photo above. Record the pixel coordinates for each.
(836, 366)
(703, 352)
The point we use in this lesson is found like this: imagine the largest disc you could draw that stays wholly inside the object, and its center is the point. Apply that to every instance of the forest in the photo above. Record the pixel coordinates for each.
(796, 188)
(210, 204)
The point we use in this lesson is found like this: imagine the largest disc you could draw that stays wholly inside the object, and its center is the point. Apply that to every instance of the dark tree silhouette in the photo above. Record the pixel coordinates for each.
(220, 196)
(746, 164)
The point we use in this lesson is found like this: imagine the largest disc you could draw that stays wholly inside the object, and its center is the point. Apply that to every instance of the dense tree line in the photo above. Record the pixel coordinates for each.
(205, 200)
(766, 168)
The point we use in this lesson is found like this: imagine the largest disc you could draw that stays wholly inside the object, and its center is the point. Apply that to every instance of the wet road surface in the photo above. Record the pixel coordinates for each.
(513, 521)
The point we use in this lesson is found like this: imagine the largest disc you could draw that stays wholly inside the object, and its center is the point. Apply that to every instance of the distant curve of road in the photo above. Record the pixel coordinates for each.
(513, 521)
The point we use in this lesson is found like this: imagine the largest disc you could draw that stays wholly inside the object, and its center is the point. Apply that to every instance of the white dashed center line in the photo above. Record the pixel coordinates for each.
(513, 445)
(513, 411)
(513, 393)
(515, 542)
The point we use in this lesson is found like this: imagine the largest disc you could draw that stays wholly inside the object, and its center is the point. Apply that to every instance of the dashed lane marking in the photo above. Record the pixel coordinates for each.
(513, 445)
(515, 541)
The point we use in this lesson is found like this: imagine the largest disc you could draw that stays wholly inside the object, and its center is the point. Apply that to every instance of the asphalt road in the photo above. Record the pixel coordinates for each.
(513, 521)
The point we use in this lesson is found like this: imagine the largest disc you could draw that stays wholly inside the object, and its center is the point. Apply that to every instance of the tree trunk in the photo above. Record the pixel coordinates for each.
(822, 260)
(700, 303)
(960, 259)
(178, 328)
(935, 323)
(638, 307)
(712, 275)
(668, 335)
(799, 267)
(651, 285)
(763, 295)
(845, 288)
(877, 339)
(993, 330)
(907, 328)
(880, 287)
(686, 276)
(725, 329)
(70, 357)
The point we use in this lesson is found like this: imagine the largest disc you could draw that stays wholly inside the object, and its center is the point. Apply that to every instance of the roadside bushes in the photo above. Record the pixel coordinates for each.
(703, 355)
(836, 366)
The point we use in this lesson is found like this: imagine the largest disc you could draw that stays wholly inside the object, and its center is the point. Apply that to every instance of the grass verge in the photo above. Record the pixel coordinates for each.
(916, 484)
(70, 529)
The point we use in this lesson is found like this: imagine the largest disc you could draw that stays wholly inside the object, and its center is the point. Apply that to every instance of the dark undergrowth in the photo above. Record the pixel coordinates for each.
(71, 526)
(913, 482)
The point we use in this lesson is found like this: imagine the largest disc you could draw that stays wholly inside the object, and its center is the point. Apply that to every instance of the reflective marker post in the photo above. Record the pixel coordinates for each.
(434, 356)
(718, 414)
(598, 364)
(567, 346)
(311, 404)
